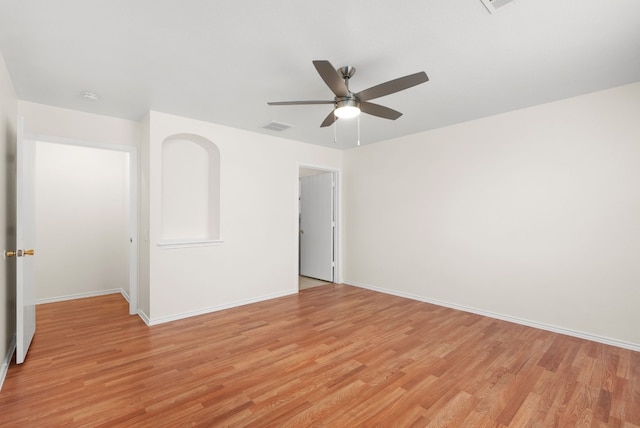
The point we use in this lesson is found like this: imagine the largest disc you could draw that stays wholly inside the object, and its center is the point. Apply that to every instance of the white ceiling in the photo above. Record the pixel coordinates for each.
(222, 61)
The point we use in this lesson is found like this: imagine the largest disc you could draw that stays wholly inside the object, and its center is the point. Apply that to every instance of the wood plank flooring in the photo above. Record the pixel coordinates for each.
(330, 356)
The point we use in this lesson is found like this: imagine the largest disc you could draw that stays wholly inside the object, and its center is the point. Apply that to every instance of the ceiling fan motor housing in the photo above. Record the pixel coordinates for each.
(347, 102)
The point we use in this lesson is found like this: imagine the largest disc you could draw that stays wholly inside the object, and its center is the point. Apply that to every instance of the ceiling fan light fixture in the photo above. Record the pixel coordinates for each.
(347, 109)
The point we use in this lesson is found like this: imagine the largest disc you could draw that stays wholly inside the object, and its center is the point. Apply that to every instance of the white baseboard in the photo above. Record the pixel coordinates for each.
(7, 361)
(161, 320)
(83, 296)
(516, 320)
(144, 317)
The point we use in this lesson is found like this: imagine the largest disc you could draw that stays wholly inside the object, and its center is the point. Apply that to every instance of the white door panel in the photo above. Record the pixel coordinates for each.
(25, 242)
(316, 226)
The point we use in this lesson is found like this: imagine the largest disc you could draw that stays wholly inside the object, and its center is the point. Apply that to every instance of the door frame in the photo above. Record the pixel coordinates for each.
(133, 203)
(337, 208)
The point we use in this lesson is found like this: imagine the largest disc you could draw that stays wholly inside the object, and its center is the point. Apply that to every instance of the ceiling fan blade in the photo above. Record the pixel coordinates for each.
(392, 86)
(331, 78)
(329, 120)
(380, 111)
(297, 103)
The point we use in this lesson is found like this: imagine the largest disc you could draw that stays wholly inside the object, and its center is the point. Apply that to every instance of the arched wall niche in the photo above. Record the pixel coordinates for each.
(190, 191)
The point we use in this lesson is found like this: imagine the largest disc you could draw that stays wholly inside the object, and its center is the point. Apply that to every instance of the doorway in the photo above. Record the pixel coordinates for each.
(318, 226)
(86, 220)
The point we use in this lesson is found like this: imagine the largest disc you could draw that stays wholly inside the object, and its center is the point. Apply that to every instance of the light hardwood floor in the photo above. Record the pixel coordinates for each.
(329, 356)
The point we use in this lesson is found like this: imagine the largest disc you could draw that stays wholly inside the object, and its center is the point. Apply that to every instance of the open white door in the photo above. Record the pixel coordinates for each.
(316, 226)
(25, 242)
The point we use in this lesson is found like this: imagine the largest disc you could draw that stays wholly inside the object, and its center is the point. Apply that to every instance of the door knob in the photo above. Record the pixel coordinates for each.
(19, 253)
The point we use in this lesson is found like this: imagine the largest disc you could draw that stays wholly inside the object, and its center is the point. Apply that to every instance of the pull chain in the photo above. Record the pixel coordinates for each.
(335, 130)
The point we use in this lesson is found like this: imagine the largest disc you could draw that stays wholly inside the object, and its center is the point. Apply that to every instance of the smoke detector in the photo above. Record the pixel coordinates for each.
(493, 5)
(89, 96)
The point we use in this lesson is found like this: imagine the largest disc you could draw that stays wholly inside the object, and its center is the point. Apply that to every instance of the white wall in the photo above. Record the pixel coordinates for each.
(82, 215)
(530, 215)
(83, 127)
(259, 226)
(77, 125)
(8, 106)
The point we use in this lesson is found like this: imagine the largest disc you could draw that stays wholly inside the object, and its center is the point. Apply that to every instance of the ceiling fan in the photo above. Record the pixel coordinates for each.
(347, 104)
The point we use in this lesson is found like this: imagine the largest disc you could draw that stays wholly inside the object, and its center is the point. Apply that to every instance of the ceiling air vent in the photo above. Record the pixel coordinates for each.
(276, 126)
(493, 5)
